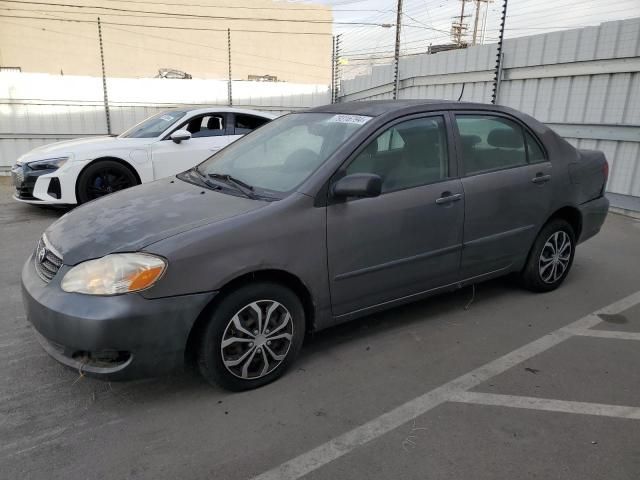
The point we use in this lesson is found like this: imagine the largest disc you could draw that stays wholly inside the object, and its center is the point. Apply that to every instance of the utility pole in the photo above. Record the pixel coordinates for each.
(475, 23)
(476, 20)
(396, 56)
(104, 80)
(459, 27)
(497, 78)
(229, 84)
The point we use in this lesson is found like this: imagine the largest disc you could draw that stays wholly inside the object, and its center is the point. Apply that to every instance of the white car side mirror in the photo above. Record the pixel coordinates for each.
(180, 135)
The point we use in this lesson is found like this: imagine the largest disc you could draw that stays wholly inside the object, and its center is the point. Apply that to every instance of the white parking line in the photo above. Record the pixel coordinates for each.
(345, 443)
(547, 404)
(610, 334)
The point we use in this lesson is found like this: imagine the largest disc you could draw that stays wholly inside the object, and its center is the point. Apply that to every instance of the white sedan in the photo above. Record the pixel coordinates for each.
(76, 171)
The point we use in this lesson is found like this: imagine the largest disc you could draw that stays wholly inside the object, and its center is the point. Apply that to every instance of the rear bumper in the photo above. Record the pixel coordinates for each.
(593, 214)
(119, 337)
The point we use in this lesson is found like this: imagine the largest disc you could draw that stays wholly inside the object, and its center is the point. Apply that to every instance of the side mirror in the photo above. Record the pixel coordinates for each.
(358, 185)
(180, 135)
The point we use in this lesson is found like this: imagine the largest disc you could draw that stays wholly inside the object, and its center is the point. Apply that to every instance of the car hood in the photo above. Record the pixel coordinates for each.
(81, 147)
(131, 219)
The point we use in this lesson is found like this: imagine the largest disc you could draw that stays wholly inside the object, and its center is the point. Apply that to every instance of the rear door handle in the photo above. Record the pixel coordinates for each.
(448, 198)
(540, 178)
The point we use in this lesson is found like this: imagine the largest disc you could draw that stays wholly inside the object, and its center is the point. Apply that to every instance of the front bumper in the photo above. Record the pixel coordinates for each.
(46, 186)
(119, 337)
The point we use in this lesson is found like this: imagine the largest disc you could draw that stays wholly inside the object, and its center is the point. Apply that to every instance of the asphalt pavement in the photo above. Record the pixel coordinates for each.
(500, 385)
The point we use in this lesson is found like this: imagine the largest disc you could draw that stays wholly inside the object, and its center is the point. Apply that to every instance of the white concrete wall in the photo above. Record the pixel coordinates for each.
(36, 109)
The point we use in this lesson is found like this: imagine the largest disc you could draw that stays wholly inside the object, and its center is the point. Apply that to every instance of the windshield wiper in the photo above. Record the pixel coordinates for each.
(193, 176)
(244, 188)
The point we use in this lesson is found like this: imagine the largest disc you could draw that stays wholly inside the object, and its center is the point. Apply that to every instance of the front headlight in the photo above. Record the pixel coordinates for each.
(48, 164)
(115, 274)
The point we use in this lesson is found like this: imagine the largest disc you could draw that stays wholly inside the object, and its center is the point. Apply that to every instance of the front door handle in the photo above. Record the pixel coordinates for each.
(540, 178)
(448, 198)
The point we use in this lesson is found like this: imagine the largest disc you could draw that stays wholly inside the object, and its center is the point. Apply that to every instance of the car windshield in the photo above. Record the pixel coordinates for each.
(154, 126)
(280, 155)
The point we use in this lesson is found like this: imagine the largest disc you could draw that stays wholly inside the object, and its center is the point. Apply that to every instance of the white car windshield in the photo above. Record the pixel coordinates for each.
(280, 155)
(154, 126)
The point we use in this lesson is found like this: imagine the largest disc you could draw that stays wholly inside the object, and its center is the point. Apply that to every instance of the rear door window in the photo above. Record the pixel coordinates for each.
(490, 143)
(534, 151)
(210, 125)
(244, 124)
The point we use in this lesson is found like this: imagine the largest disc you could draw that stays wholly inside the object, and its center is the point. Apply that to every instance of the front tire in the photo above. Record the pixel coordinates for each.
(253, 336)
(550, 258)
(102, 178)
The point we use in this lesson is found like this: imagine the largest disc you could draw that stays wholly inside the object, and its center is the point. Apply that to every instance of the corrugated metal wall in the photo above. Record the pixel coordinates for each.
(36, 109)
(583, 83)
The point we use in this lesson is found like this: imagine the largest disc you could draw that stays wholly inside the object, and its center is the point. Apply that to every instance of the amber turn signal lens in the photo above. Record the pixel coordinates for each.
(145, 279)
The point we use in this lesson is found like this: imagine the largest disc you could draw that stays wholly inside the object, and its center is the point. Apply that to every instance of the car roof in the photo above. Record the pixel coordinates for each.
(196, 110)
(376, 108)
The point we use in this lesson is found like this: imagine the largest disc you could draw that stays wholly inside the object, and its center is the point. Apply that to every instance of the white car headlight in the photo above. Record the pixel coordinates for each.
(114, 274)
(48, 164)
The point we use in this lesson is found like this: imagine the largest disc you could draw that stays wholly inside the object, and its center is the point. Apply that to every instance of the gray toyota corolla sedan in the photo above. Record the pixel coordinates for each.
(314, 219)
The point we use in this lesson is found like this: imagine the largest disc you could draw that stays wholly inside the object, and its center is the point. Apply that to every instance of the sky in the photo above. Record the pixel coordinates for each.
(429, 21)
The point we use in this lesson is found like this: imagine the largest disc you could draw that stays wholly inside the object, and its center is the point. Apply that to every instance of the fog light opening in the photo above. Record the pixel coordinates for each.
(54, 188)
(104, 358)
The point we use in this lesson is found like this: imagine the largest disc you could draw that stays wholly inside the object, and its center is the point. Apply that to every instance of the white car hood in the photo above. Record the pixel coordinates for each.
(83, 148)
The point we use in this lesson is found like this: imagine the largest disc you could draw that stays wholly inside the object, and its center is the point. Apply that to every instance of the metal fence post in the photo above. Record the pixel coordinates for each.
(333, 69)
(396, 55)
(104, 80)
(500, 56)
(230, 87)
(336, 69)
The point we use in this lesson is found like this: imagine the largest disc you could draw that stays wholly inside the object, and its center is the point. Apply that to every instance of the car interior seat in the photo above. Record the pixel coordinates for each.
(194, 126)
(421, 160)
(508, 148)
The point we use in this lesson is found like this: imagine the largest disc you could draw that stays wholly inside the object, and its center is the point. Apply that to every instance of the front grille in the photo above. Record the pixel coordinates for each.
(47, 263)
(17, 175)
(24, 184)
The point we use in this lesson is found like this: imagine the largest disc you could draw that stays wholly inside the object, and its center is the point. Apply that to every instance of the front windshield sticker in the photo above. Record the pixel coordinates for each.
(166, 118)
(357, 119)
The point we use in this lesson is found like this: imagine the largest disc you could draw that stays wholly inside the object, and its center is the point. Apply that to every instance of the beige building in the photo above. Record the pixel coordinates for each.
(140, 38)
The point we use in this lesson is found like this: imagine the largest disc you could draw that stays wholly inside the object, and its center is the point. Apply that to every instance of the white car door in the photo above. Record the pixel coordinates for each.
(209, 133)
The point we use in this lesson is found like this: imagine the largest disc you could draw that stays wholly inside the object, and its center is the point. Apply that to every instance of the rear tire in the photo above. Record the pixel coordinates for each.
(254, 334)
(550, 258)
(102, 178)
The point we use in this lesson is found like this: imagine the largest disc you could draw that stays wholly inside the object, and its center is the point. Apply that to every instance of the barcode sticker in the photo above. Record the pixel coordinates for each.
(357, 119)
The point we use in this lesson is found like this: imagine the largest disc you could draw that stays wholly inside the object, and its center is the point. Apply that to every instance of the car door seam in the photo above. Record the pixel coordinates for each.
(497, 236)
(393, 263)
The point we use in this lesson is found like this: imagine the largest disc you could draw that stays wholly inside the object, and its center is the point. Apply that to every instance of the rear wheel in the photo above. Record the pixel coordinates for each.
(551, 257)
(102, 178)
(252, 337)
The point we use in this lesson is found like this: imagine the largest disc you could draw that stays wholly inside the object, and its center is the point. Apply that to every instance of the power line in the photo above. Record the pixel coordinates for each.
(167, 27)
(191, 15)
(290, 6)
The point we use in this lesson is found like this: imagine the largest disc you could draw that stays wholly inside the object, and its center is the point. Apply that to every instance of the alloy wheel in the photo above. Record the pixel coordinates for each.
(555, 257)
(257, 339)
(106, 181)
